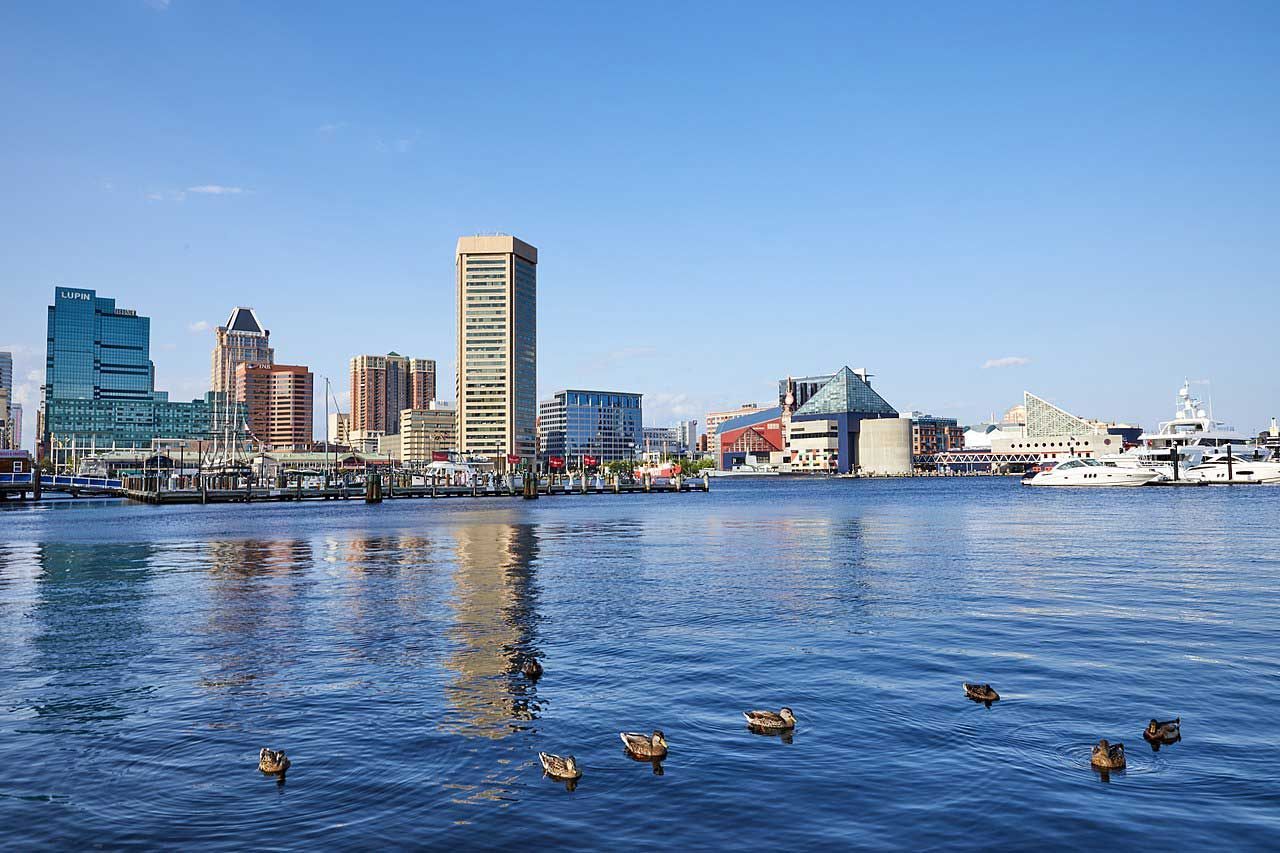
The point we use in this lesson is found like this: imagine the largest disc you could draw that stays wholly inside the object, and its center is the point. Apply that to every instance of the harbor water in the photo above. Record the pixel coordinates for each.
(147, 653)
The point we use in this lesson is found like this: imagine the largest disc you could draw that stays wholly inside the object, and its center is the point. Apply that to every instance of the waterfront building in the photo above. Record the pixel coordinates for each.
(497, 358)
(838, 408)
(715, 419)
(756, 438)
(603, 424)
(660, 440)
(1053, 432)
(428, 430)
(365, 440)
(277, 401)
(687, 435)
(339, 427)
(6, 428)
(15, 426)
(932, 434)
(242, 340)
(389, 447)
(99, 390)
(382, 386)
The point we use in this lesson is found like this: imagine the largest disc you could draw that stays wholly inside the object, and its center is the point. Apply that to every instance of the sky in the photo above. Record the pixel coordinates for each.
(969, 200)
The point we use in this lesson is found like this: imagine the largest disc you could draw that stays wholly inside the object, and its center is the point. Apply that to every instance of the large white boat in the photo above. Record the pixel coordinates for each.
(1192, 433)
(1253, 467)
(744, 471)
(1082, 471)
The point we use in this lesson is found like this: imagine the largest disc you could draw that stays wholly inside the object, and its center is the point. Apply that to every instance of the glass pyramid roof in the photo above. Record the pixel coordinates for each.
(1045, 419)
(846, 392)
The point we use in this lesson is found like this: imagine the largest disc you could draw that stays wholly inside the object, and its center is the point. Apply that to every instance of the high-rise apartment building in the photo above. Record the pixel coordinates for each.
(15, 426)
(6, 371)
(241, 341)
(422, 383)
(497, 346)
(99, 390)
(382, 386)
(7, 439)
(277, 401)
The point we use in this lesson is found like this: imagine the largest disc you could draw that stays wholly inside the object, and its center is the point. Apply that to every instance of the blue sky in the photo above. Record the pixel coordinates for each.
(721, 194)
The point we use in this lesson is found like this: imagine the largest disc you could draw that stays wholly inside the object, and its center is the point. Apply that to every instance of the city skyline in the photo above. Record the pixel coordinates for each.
(950, 218)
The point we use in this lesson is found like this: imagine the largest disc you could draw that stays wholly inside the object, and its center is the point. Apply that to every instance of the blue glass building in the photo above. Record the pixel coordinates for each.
(99, 390)
(604, 424)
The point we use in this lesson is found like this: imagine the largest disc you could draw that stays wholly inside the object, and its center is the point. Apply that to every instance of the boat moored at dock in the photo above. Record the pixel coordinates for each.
(1082, 471)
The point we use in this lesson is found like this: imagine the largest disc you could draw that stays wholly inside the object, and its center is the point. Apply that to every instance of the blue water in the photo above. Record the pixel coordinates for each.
(148, 653)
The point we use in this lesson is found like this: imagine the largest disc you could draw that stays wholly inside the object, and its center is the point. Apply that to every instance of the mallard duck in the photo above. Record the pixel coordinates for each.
(1167, 731)
(273, 761)
(558, 767)
(645, 746)
(1108, 756)
(784, 720)
(981, 692)
(531, 668)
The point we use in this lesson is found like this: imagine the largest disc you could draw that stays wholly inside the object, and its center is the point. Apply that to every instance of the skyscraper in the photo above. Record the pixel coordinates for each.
(497, 346)
(6, 371)
(277, 403)
(382, 386)
(241, 341)
(99, 390)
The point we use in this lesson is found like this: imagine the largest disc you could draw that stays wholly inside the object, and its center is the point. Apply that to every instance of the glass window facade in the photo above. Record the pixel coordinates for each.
(99, 390)
(604, 424)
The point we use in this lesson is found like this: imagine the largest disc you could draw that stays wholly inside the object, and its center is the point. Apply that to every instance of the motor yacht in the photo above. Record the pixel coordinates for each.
(1253, 467)
(1187, 439)
(1083, 471)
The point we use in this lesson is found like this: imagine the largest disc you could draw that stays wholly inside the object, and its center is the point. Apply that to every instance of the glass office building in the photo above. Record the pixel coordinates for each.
(99, 391)
(604, 424)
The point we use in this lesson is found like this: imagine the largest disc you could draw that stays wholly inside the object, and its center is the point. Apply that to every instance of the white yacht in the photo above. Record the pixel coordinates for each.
(1193, 432)
(1083, 471)
(1253, 467)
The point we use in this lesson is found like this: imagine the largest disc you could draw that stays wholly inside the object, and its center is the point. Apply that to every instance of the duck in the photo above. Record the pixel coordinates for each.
(531, 669)
(273, 761)
(1166, 732)
(783, 721)
(981, 692)
(645, 746)
(1108, 756)
(560, 767)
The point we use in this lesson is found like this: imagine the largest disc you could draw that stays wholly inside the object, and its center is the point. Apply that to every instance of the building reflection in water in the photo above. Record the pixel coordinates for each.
(91, 629)
(494, 602)
(253, 611)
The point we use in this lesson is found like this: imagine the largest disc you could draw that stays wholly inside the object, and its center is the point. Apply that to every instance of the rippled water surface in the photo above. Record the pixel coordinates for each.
(147, 653)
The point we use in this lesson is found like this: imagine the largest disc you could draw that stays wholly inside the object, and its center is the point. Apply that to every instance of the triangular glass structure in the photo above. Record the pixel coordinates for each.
(846, 392)
(1045, 419)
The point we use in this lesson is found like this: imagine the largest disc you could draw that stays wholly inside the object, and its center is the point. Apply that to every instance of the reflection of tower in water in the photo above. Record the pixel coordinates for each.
(493, 628)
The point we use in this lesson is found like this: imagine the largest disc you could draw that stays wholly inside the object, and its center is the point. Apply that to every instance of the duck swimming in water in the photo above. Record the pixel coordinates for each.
(1164, 732)
(768, 721)
(1108, 756)
(981, 692)
(273, 761)
(531, 669)
(558, 767)
(640, 745)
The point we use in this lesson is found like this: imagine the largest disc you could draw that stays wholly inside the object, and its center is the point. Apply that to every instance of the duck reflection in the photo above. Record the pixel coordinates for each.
(90, 629)
(494, 614)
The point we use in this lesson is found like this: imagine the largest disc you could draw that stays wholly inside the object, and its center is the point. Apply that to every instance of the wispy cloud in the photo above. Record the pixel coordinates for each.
(400, 145)
(166, 195)
(330, 128)
(216, 189)
(159, 5)
(1007, 361)
(199, 326)
(666, 406)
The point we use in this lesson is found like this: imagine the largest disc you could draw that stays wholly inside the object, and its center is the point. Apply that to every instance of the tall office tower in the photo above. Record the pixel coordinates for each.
(497, 360)
(99, 390)
(15, 425)
(277, 401)
(241, 341)
(422, 383)
(6, 402)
